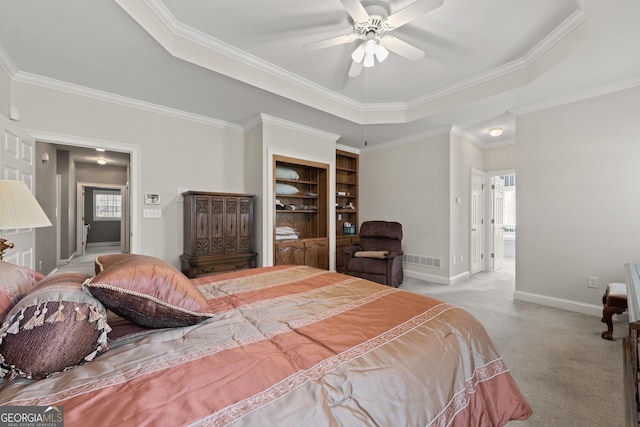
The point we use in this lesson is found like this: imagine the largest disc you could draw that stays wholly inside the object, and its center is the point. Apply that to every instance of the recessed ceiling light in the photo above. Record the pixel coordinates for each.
(102, 161)
(100, 149)
(496, 132)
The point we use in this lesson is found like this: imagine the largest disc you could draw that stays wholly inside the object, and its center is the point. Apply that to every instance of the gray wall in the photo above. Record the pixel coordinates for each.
(578, 198)
(410, 183)
(46, 237)
(174, 153)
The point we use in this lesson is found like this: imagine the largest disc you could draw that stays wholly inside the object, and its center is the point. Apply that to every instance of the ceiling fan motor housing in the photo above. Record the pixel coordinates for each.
(375, 23)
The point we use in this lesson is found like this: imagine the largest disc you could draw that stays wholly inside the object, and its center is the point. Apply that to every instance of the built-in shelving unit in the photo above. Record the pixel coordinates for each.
(301, 212)
(346, 203)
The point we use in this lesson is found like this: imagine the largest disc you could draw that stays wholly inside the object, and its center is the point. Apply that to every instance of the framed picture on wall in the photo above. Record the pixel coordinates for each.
(151, 199)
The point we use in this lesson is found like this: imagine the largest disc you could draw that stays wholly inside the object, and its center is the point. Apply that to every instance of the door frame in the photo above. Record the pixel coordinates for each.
(497, 223)
(481, 232)
(135, 179)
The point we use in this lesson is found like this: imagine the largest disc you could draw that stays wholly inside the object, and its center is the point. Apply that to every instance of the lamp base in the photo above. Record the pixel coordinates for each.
(4, 245)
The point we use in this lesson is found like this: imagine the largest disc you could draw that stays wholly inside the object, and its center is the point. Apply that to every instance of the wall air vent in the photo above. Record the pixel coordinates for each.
(425, 261)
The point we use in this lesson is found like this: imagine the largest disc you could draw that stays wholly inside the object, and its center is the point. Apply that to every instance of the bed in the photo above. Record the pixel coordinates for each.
(271, 346)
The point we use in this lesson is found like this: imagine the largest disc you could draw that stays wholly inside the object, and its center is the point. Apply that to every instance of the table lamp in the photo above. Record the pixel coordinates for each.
(18, 209)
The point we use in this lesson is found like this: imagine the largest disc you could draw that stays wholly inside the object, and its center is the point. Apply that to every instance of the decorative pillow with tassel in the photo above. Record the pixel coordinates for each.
(55, 327)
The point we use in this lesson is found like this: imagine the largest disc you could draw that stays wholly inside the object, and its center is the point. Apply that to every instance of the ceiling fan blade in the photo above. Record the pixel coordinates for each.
(402, 48)
(356, 69)
(356, 10)
(411, 12)
(334, 41)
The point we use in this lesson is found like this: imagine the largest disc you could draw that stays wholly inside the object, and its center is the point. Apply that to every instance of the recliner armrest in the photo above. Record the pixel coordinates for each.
(393, 254)
(352, 249)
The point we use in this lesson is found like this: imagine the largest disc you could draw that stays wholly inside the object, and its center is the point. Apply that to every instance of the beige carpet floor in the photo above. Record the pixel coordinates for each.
(567, 372)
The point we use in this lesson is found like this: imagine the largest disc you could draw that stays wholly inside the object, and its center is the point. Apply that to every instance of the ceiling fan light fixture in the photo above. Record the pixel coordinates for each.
(358, 54)
(369, 61)
(370, 47)
(496, 131)
(381, 53)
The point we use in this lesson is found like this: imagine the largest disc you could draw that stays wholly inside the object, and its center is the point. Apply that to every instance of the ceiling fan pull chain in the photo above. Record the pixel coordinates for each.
(366, 97)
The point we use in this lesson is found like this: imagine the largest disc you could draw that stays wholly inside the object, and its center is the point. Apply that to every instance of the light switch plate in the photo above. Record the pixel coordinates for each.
(152, 213)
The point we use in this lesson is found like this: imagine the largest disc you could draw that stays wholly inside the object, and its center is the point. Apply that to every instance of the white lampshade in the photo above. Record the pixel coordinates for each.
(358, 54)
(368, 61)
(370, 46)
(381, 52)
(19, 208)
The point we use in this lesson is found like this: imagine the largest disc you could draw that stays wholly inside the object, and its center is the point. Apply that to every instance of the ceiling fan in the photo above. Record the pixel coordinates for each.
(371, 24)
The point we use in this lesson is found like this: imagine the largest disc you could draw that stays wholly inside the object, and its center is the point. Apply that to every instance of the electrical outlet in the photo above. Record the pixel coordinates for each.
(454, 260)
(461, 259)
(592, 282)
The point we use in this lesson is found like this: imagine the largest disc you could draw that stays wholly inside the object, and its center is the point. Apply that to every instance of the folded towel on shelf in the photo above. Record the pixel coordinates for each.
(286, 230)
(286, 237)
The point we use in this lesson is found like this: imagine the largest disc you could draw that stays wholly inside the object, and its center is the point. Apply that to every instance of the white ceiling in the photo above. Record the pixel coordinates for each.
(231, 61)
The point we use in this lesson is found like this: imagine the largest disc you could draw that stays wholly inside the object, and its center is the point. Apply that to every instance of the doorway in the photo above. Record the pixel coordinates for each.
(503, 219)
(132, 189)
(102, 212)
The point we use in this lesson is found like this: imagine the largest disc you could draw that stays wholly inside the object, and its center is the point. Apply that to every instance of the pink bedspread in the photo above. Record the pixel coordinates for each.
(293, 346)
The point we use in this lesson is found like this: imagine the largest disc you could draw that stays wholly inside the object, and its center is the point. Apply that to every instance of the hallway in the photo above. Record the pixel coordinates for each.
(86, 263)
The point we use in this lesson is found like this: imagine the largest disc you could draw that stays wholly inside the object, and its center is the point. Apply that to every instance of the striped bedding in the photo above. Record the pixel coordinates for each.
(292, 346)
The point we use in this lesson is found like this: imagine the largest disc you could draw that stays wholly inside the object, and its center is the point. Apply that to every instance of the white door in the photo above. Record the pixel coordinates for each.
(497, 222)
(17, 164)
(477, 230)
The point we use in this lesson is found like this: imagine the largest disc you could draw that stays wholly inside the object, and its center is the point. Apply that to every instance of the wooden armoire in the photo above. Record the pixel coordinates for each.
(218, 233)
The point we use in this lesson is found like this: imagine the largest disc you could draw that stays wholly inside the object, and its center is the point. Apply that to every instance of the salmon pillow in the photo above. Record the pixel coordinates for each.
(147, 291)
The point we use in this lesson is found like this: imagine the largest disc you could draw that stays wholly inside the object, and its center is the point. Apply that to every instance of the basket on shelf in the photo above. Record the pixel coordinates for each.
(349, 230)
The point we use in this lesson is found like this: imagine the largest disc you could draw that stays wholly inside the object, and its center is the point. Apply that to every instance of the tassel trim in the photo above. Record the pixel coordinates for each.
(10, 372)
(58, 316)
(79, 314)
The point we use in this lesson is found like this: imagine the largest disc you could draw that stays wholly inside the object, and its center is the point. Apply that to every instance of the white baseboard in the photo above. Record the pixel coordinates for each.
(563, 304)
(437, 279)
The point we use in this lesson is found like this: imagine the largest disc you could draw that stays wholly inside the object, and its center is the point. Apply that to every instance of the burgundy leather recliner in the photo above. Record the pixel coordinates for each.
(378, 255)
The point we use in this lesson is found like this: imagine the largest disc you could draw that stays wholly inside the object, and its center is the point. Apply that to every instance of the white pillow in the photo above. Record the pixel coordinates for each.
(286, 189)
(286, 173)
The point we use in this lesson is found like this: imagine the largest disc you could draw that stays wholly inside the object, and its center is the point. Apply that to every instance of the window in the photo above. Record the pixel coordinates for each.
(107, 205)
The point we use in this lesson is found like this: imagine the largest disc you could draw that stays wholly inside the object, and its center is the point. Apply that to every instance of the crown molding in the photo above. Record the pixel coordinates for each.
(7, 63)
(455, 130)
(298, 127)
(336, 103)
(409, 139)
(121, 100)
(205, 40)
(577, 96)
(347, 148)
(558, 34)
